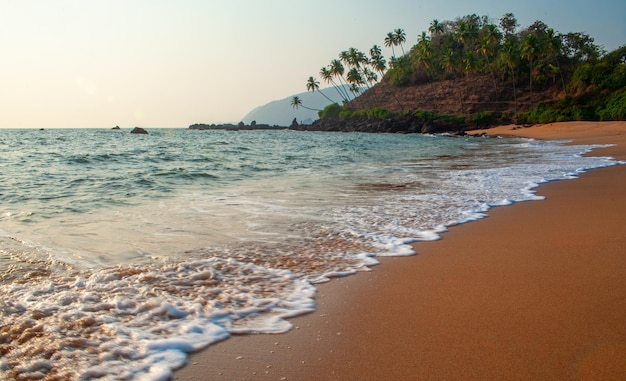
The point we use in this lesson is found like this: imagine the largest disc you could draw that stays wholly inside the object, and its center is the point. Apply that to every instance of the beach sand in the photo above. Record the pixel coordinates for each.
(535, 291)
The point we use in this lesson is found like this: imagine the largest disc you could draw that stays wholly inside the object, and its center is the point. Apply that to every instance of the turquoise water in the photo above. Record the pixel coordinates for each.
(121, 253)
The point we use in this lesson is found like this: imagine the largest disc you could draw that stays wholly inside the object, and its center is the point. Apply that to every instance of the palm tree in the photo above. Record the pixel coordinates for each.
(355, 89)
(370, 76)
(466, 34)
(469, 63)
(337, 69)
(508, 55)
(424, 53)
(375, 51)
(353, 57)
(377, 61)
(529, 51)
(390, 42)
(554, 44)
(312, 84)
(354, 77)
(400, 38)
(357, 61)
(327, 76)
(297, 102)
(448, 62)
(435, 28)
(488, 46)
(379, 64)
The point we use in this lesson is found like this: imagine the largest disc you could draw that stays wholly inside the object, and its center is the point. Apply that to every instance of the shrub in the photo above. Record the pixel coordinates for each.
(428, 115)
(330, 111)
(615, 107)
(486, 118)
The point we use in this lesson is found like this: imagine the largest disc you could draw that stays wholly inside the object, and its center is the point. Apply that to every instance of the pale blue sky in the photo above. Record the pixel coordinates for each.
(158, 63)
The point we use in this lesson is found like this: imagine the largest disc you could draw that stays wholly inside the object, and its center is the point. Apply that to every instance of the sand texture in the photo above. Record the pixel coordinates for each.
(536, 291)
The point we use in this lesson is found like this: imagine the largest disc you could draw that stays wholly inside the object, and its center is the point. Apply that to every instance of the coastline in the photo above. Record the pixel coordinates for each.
(535, 291)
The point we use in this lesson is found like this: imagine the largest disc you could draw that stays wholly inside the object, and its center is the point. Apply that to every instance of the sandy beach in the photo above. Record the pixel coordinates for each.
(535, 291)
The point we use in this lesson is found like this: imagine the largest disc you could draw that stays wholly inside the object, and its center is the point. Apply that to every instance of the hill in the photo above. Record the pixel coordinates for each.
(474, 72)
(281, 113)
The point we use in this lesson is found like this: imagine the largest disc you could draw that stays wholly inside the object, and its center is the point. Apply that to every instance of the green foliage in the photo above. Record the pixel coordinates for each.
(375, 113)
(427, 115)
(543, 113)
(615, 108)
(569, 108)
(332, 110)
(486, 118)
(534, 57)
(400, 72)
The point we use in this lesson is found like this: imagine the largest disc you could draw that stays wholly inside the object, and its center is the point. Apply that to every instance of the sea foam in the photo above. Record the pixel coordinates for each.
(124, 274)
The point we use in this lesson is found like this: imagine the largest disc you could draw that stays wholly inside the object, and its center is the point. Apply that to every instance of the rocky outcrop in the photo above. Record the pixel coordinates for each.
(232, 127)
(406, 124)
(139, 130)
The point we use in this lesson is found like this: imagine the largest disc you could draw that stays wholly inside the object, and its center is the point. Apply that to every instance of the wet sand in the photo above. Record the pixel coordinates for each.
(536, 291)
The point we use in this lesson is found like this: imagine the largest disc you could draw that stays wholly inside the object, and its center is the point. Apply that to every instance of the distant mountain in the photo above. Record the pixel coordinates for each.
(281, 113)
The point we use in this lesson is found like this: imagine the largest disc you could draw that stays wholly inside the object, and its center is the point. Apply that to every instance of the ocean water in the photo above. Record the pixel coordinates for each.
(121, 253)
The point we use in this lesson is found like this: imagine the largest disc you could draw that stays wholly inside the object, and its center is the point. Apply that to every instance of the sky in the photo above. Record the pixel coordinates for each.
(172, 63)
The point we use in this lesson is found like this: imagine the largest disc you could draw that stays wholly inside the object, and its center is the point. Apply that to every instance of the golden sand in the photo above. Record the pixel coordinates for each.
(536, 291)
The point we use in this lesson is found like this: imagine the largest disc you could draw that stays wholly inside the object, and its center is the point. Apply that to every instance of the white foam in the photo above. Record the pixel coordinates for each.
(140, 320)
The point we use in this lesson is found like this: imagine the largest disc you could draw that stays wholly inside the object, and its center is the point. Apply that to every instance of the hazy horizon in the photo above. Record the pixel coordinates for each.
(73, 64)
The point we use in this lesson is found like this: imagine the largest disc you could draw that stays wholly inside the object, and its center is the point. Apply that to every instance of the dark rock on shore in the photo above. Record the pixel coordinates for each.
(232, 127)
(139, 130)
(405, 125)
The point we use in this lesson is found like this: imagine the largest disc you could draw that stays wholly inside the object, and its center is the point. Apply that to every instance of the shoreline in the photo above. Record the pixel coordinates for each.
(535, 291)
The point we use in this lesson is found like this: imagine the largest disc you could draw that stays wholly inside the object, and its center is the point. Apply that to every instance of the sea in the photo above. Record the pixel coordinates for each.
(120, 253)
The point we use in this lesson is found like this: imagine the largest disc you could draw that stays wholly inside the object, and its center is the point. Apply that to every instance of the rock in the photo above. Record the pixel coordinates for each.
(116, 128)
(139, 130)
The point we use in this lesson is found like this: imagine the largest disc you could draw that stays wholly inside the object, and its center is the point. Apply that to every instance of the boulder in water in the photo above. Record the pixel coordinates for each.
(139, 130)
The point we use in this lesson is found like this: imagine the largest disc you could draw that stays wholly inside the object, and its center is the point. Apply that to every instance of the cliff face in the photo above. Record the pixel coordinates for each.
(455, 106)
(463, 96)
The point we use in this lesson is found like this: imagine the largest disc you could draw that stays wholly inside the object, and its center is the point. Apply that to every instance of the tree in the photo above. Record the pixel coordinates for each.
(435, 28)
(423, 53)
(390, 42)
(467, 34)
(448, 62)
(312, 84)
(297, 102)
(354, 77)
(327, 76)
(377, 60)
(508, 55)
(529, 51)
(508, 23)
(354, 58)
(400, 38)
(337, 69)
(488, 47)
(553, 49)
(469, 63)
(580, 47)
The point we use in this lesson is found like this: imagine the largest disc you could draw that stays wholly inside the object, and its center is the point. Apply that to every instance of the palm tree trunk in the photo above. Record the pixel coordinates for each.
(343, 88)
(324, 95)
(514, 91)
(531, 84)
(341, 95)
